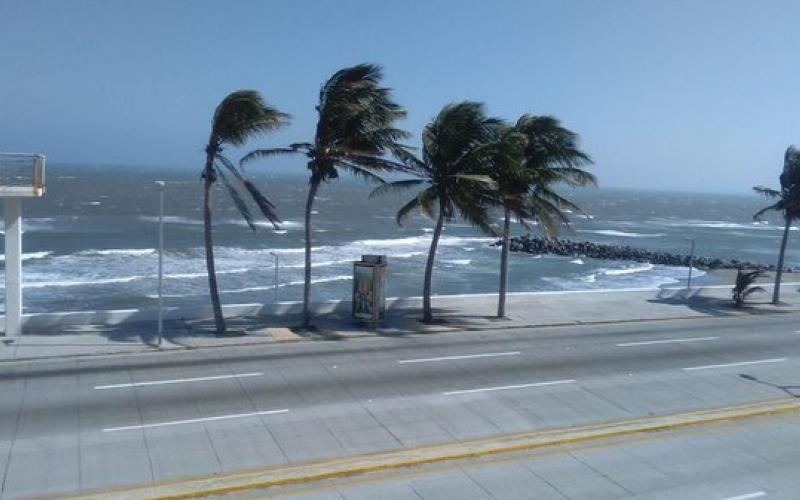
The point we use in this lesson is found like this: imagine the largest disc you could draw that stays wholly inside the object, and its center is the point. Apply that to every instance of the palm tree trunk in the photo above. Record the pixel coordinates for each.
(501, 303)
(312, 193)
(427, 314)
(208, 176)
(776, 294)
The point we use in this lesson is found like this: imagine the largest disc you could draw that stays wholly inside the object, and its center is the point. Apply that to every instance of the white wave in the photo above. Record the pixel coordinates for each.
(757, 225)
(576, 261)
(627, 270)
(30, 256)
(585, 216)
(406, 255)
(292, 224)
(322, 263)
(290, 283)
(173, 219)
(204, 274)
(457, 262)
(624, 234)
(280, 231)
(421, 240)
(91, 203)
(123, 252)
(106, 281)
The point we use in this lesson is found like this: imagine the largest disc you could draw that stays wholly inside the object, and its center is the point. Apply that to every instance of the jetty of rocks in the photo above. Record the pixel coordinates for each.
(568, 248)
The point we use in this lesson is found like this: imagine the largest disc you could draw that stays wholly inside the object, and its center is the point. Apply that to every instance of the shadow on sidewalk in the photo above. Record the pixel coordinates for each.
(697, 301)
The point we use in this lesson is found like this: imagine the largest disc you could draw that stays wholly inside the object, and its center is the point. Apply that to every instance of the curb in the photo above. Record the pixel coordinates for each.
(362, 464)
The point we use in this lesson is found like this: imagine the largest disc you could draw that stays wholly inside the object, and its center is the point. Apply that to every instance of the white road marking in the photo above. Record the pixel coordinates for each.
(668, 341)
(466, 356)
(741, 363)
(177, 381)
(507, 387)
(748, 496)
(194, 420)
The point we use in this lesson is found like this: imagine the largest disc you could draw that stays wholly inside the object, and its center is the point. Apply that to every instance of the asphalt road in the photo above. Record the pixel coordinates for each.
(77, 425)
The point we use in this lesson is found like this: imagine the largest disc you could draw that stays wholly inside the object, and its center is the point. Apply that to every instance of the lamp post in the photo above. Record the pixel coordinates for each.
(691, 264)
(160, 185)
(274, 254)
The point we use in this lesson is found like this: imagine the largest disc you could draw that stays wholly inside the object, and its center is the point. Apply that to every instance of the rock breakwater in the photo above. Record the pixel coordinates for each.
(568, 248)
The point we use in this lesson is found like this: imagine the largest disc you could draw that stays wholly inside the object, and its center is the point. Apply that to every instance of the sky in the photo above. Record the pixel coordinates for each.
(665, 94)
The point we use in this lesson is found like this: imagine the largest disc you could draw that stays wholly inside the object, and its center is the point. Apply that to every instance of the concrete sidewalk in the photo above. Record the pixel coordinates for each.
(453, 313)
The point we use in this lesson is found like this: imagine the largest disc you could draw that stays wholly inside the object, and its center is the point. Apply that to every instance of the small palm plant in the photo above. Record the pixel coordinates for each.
(240, 116)
(744, 286)
(788, 203)
(354, 131)
(451, 170)
(527, 161)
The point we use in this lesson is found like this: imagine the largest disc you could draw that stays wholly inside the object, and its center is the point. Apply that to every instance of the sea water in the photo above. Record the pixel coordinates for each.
(91, 242)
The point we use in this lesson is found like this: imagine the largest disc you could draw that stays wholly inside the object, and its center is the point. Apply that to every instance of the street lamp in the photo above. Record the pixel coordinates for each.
(691, 264)
(276, 274)
(160, 185)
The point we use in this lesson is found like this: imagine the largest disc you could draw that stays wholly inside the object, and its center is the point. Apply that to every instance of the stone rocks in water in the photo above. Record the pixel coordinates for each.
(568, 248)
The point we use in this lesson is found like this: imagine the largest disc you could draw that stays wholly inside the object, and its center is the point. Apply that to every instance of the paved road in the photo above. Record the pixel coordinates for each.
(744, 460)
(77, 425)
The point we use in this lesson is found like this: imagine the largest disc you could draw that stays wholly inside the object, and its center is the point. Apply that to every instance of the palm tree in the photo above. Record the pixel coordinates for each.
(745, 286)
(241, 115)
(450, 169)
(354, 131)
(526, 161)
(788, 203)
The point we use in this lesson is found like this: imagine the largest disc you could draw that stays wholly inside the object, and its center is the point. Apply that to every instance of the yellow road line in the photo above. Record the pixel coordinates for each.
(349, 466)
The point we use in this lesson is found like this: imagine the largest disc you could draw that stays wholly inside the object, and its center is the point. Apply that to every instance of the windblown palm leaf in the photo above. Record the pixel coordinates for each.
(355, 131)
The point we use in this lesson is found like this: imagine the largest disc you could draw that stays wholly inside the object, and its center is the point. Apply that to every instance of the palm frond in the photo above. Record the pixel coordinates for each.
(265, 153)
(427, 200)
(395, 186)
(238, 201)
(266, 207)
(243, 114)
(405, 210)
(356, 114)
(230, 166)
(360, 171)
(752, 290)
(767, 192)
(757, 215)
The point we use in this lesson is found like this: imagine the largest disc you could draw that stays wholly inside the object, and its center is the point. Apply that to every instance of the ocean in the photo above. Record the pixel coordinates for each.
(91, 242)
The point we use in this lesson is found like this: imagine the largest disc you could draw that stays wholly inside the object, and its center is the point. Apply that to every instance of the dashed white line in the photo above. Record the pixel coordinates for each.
(177, 381)
(508, 387)
(667, 341)
(194, 420)
(741, 363)
(466, 356)
(748, 496)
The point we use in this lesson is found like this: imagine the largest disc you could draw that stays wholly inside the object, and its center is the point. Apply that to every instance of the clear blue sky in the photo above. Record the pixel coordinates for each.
(694, 95)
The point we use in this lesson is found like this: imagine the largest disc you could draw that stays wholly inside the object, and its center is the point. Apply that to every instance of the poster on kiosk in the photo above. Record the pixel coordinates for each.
(369, 287)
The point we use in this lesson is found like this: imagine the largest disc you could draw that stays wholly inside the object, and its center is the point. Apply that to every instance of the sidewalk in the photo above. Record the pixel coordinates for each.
(453, 313)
